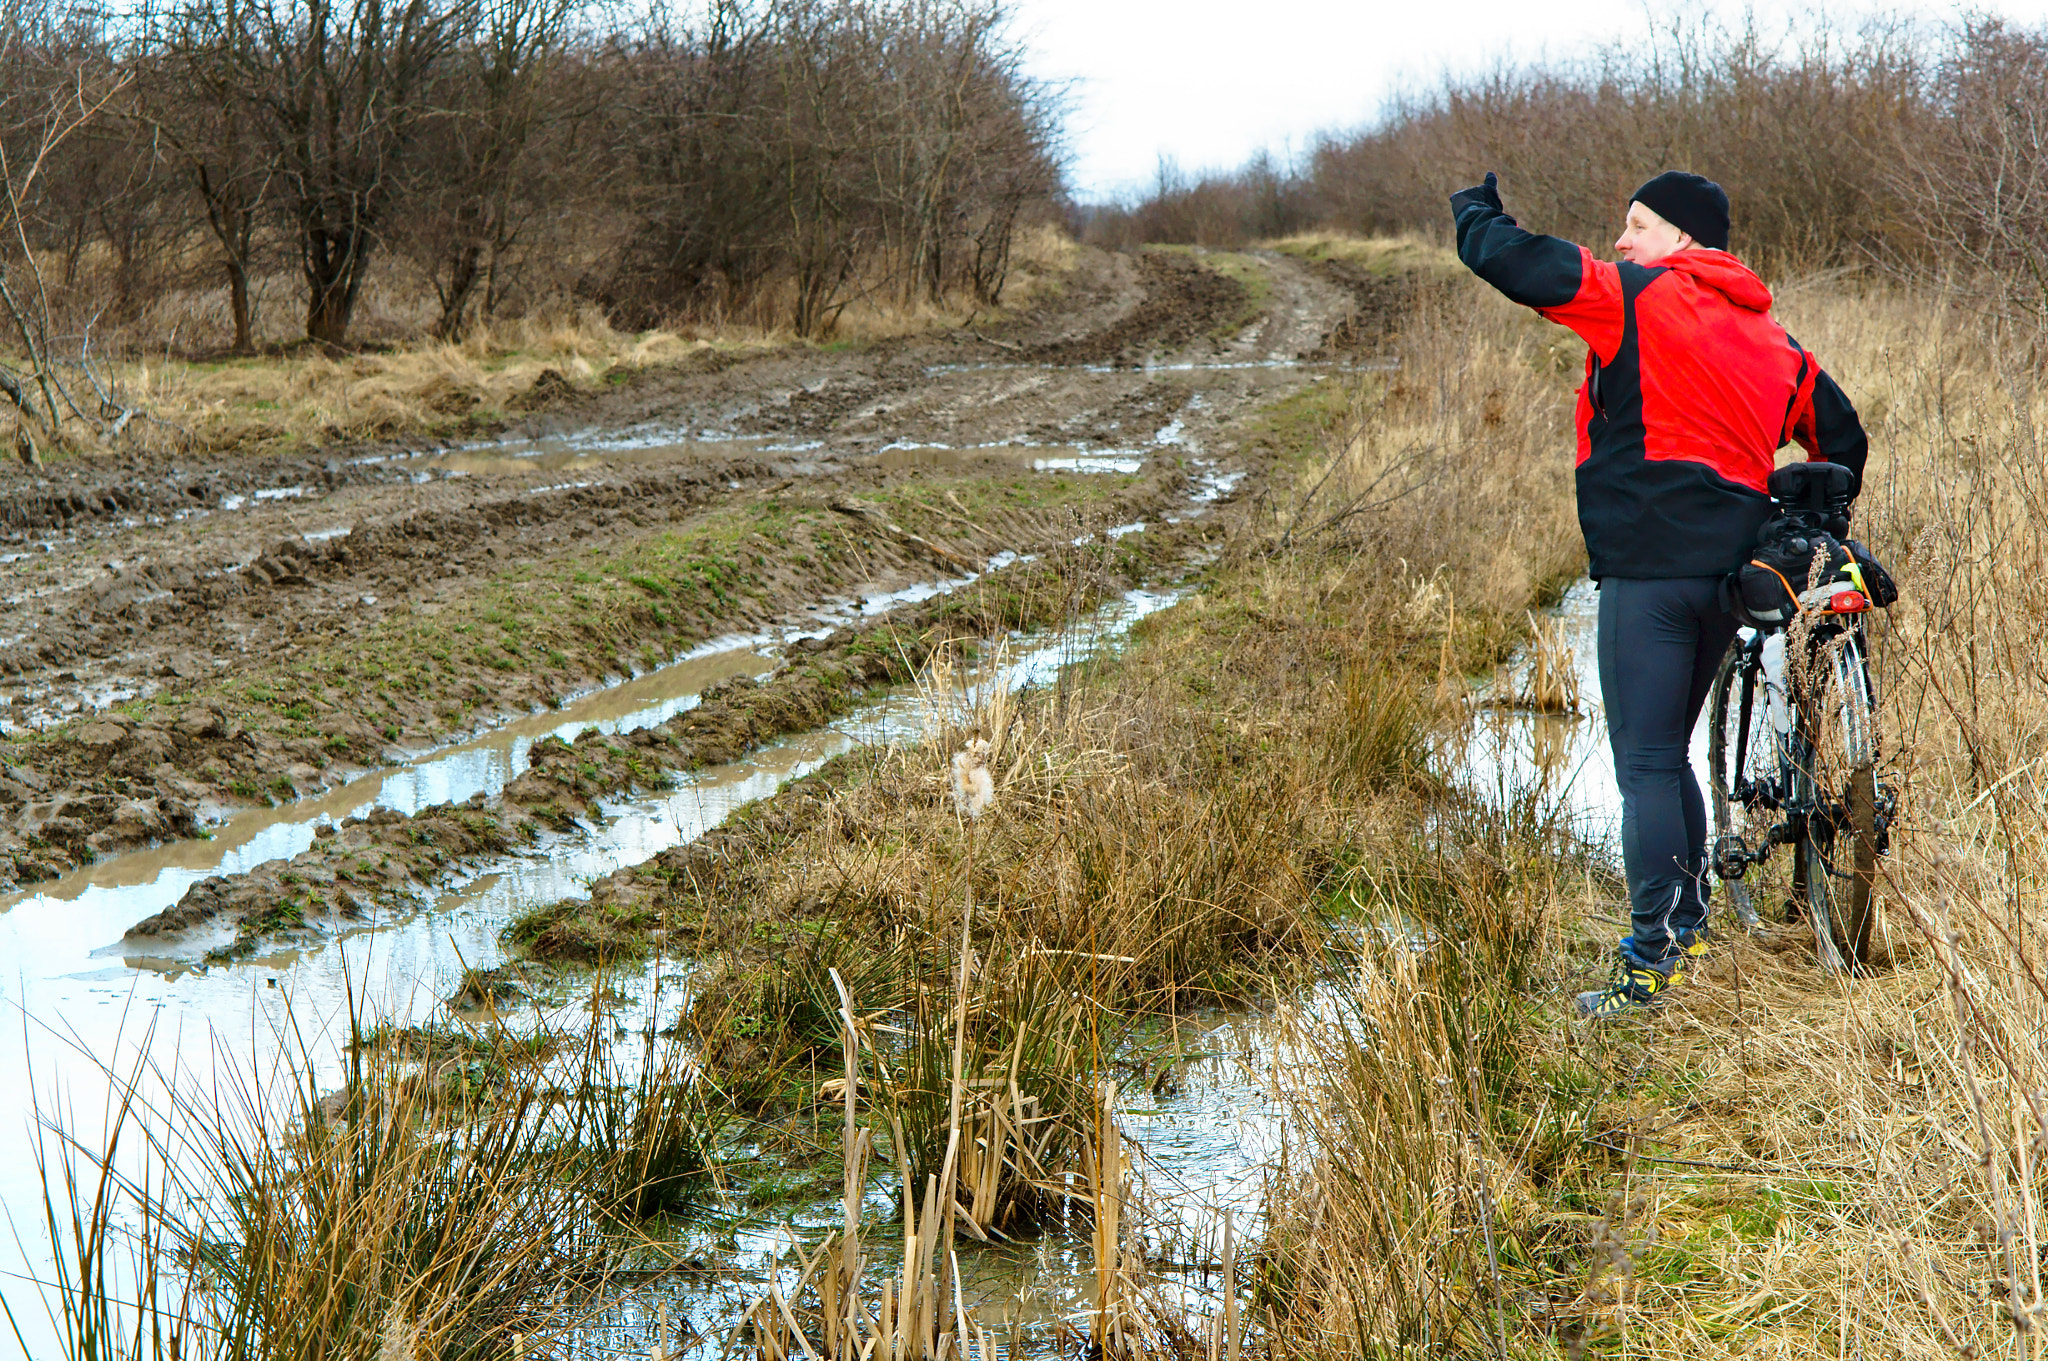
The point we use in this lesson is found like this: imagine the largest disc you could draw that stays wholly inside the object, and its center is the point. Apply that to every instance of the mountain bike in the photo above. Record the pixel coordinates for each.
(1792, 751)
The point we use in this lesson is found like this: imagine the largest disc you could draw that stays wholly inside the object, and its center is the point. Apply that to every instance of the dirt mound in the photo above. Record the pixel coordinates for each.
(1184, 303)
(1381, 301)
(548, 389)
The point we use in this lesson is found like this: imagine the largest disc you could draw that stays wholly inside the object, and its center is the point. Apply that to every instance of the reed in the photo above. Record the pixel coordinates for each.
(453, 1195)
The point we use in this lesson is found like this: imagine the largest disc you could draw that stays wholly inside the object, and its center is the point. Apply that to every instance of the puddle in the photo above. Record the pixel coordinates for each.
(1151, 366)
(1567, 755)
(1044, 458)
(101, 901)
(557, 453)
(85, 998)
(74, 988)
(236, 500)
(569, 452)
(1197, 1148)
(1089, 463)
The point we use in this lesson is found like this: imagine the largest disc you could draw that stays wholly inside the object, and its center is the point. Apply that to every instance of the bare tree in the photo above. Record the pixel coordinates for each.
(1980, 181)
(696, 168)
(49, 92)
(829, 150)
(475, 192)
(337, 93)
(194, 101)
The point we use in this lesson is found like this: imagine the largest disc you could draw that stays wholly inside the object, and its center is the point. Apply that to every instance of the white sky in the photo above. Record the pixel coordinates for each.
(1209, 82)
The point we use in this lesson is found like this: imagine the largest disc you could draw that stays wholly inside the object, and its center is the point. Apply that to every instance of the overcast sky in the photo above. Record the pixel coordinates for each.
(1208, 82)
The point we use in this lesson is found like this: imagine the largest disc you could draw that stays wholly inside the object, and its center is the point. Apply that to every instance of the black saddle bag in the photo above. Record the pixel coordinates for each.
(1877, 583)
(1790, 557)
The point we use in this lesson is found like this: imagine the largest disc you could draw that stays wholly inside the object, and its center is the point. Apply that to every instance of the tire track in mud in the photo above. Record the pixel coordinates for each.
(112, 781)
(387, 861)
(1184, 303)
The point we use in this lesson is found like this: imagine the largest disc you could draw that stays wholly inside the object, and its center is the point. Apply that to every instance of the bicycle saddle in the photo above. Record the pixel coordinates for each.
(1822, 489)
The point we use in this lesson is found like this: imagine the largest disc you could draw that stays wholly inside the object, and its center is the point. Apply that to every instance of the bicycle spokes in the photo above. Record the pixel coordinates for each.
(1793, 750)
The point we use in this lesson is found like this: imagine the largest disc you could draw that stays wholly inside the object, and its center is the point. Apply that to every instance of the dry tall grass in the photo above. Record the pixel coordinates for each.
(1775, 1163)
(407, 382)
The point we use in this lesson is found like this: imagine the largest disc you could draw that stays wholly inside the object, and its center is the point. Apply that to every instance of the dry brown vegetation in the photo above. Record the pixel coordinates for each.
(412, 384)
(207, 178)
(1777, 1163)
(1912, 146)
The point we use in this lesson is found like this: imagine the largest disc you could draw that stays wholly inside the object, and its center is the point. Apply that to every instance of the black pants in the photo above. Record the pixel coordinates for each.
(1660, 644)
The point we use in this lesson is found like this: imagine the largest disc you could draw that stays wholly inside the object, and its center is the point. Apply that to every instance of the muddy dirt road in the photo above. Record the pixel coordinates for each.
(183, 636)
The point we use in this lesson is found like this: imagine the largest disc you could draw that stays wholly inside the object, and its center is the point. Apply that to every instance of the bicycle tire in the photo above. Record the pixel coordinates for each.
(1724, 720)
(1724, 716)
(1837, 859)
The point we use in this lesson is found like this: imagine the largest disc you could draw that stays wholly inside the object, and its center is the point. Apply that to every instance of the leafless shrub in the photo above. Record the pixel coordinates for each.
(1258, 202)
(55, 81)
(770, 162)
(336, 93)
(1888, 142)
(802, 154)
(1979, 186)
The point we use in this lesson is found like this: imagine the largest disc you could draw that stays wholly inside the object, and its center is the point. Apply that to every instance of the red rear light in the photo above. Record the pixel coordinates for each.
(1848, 602)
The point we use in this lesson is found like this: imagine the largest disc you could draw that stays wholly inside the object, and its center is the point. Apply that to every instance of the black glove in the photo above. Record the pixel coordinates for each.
(1487, 194)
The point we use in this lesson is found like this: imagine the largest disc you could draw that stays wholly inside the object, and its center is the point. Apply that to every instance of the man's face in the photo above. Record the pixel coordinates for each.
(1647, 238)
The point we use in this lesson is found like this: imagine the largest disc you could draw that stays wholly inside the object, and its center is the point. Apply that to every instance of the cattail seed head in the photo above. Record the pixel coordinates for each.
(974, 789)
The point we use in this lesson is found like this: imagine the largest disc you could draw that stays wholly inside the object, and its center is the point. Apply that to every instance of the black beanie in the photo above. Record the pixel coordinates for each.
(1692, 203)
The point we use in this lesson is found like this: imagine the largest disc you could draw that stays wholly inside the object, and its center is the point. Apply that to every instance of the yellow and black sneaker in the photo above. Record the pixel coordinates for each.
(1634, 986)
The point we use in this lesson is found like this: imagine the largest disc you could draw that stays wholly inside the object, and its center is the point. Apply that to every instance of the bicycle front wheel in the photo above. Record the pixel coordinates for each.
(1733, 783)
(1730, 784)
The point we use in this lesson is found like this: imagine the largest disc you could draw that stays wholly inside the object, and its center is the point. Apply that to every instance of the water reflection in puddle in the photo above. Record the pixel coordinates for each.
(101, 901)
(1565, 755)
(555, 453)
(80, 1009)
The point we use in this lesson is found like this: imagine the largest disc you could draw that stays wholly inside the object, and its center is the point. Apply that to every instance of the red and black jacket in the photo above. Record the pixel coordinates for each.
(1691, 389)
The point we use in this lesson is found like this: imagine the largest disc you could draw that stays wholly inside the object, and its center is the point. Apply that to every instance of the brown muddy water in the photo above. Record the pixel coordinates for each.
(1202, 1142)
(84, 999)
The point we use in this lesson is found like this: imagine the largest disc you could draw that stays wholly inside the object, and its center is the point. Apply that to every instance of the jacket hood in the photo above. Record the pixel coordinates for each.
(1722, 272)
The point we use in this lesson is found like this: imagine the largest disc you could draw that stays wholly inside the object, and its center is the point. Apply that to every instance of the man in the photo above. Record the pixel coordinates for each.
(1691, 388)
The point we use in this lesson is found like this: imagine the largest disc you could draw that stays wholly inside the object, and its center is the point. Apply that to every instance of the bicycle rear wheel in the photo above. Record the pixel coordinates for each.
(1838, 771)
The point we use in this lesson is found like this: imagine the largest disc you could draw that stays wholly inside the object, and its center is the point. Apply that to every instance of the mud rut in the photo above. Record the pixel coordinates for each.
(145, 602)
(185, 581)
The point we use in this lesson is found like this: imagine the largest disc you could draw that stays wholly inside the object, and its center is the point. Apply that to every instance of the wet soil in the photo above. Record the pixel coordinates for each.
(1380, 301)
(183, 635)
(385, 860)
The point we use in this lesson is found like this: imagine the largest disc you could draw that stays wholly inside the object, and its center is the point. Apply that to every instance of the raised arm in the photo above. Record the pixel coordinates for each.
(1827, 427)
(1560, 280)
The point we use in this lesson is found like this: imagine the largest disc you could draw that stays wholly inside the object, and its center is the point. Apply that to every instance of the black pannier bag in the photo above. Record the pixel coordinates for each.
(1877, 583)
